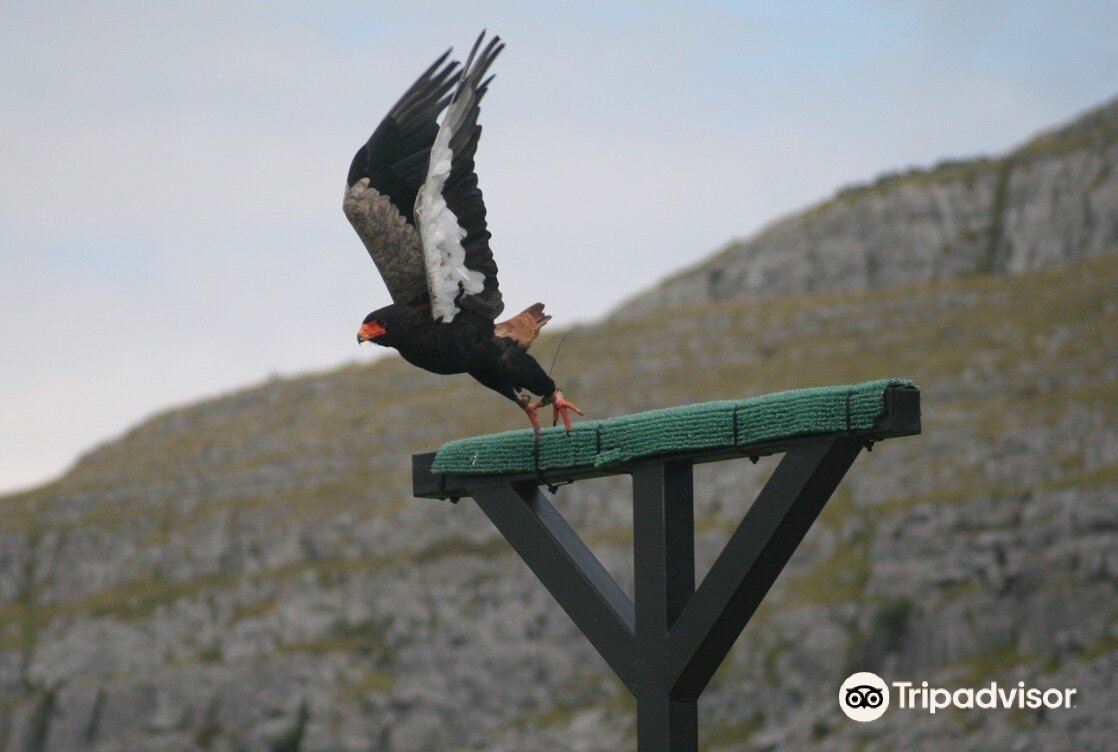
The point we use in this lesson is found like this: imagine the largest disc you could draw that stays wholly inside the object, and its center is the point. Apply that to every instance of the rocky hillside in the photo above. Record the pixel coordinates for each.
(1052, 201)
(251, 574)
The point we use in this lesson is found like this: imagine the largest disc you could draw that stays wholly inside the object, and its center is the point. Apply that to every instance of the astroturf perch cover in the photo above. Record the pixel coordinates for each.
(707, 425)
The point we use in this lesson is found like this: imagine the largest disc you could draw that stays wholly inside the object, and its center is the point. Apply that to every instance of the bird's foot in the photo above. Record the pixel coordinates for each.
(530, 408)
(561, 409)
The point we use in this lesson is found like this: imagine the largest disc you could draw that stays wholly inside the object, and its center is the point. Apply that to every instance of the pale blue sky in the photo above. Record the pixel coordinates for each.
(170, 174)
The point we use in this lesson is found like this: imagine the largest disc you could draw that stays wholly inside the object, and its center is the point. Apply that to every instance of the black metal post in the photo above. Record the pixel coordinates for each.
(664, 574)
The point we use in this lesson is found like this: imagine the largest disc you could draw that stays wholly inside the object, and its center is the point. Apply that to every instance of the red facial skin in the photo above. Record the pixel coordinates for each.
(370, 331)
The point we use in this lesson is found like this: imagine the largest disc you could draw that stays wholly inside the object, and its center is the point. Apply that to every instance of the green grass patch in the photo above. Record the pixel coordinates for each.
(840, 578)
(371, 682)
(994, 664)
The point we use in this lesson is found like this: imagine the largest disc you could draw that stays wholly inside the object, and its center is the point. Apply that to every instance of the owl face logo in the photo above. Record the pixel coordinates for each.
(864, 697)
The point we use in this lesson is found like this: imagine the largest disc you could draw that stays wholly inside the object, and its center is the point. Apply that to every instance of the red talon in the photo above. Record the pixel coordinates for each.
(560, 407)
(530, 408)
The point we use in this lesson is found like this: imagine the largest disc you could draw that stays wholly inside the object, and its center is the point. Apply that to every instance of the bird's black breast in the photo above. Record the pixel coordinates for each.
(460, 346)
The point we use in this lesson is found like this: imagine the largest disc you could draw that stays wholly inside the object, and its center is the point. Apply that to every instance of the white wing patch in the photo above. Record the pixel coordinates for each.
(443, 254)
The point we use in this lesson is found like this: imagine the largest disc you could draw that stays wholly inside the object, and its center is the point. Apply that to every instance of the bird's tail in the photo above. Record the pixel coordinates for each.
(524, 327)
(539, 318)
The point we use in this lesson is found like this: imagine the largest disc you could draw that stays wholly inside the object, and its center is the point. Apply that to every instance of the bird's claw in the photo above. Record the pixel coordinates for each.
(560, 409)
(530, 408)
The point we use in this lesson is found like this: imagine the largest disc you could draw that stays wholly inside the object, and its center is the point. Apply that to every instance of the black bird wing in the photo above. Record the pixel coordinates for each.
(385, 177)
(449, 210)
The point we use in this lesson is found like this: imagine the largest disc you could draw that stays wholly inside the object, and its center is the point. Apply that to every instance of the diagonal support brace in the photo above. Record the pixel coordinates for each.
(756, 553)
(566, 567)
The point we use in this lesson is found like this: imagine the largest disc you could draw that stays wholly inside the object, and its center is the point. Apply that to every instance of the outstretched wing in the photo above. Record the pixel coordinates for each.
(449, 210)
(385, 176)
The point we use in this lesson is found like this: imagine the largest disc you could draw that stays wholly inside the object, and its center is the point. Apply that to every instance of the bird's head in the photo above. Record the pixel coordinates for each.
(383, 325)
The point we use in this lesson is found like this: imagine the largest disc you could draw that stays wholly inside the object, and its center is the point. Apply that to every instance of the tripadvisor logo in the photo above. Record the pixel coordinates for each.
(865, 697)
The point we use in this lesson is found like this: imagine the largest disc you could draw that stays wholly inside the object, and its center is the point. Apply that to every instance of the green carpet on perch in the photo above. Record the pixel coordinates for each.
(707, 425)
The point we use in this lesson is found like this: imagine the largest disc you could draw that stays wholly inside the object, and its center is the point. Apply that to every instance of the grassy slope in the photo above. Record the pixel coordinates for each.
(995, 356)
(989, 352)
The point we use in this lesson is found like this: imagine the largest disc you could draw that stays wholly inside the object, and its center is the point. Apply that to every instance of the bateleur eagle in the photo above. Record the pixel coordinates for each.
(412, 196)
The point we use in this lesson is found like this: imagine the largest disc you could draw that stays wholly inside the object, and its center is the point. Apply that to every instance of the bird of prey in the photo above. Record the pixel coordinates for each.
(412, 196)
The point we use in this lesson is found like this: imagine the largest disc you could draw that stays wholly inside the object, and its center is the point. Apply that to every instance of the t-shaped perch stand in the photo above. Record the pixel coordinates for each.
(667, 642)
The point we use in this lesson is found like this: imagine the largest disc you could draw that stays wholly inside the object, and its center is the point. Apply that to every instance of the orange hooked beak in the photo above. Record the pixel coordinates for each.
(369, 332)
